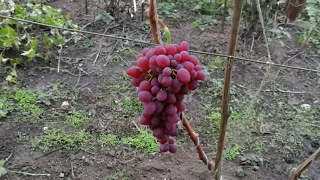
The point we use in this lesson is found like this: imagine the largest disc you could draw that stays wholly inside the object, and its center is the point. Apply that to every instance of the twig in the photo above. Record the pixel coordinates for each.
(86, 6)
(100, 44)
(304, 165)
(59, 60)
(106, 57)
(28, 174)
(72, 170)
(48, 153)
(78, 79)
(195, 138)
(7, 159)
(88, 151)
(225, 10)
(225, 105)
(269, 61)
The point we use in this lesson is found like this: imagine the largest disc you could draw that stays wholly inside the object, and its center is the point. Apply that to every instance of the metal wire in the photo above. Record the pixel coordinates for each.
(148, 43)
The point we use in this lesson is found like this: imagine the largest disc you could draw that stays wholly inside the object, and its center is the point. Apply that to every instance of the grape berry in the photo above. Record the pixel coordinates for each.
(163, 76)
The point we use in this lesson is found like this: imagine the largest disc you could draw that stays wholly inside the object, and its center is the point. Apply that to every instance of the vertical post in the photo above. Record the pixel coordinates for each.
(225, 106)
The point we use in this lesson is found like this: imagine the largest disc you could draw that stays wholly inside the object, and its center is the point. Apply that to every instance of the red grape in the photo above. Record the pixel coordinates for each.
(171, 140)
(181, 107)
(200, 75)
(188, 66)
(194, 60)
(145, 86)
(134, 72)
(143, 62)
(160, 50)
(184, 56)
(145, 50)
(172, 148)
(166, 71)
(136, 81)
(171, 49)
(145, 96)
(173, 63)
(162, 95)
(145, 121)
(159, 106)
(183, 75)
(163, 61)
(177, 57)
(149, 107)
(193, 85)
(164, 147)
(193, 74)
(184, 46)
(197, 68)
(154, 82)
(155, 90)
(167, 81)
(171, 98)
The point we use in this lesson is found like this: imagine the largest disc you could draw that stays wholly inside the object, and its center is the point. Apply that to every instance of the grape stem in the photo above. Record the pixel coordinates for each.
(166, 31)
(195, 138)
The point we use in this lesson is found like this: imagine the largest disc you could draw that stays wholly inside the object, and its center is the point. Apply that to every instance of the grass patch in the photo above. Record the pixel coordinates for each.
(144, 141)
(117, 176)
(77, 119)
(131, 106)
(56, 138)
(19, 102)
(107, 140)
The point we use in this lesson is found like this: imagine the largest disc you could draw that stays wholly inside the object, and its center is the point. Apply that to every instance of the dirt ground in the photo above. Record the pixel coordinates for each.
(98, 86)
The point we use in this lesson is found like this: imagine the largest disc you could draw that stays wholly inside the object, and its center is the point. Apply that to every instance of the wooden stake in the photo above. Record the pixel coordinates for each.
(225, 107)
(303, 166)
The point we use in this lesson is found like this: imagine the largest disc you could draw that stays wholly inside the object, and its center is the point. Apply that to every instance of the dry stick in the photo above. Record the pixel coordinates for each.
(303, 166)
(224, 14)
(195, 138)
(86, 6)
(225, 106)
(29, 174)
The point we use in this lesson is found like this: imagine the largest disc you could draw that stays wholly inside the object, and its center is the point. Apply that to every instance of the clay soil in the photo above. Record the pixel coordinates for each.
(93, 84)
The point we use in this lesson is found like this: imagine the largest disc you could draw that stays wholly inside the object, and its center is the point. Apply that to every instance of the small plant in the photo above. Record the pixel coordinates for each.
(77, 119)
(55, 138)
(20, 101)
(144, 141)
(131, 105)
(107, 140)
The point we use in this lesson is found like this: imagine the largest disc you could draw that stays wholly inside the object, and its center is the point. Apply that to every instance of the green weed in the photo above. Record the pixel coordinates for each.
(56, 138)
(144, 141)
(117, 176)
(107, 140)
(131, 106)
(19, 102)
(77, 119)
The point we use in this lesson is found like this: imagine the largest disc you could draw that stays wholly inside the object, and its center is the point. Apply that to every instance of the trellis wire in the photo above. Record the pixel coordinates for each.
(148, 43)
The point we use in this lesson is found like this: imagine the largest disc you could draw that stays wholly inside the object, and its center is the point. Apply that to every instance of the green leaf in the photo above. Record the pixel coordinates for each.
(7, 32)
(2, 162)
(31, 53)
(3, 171)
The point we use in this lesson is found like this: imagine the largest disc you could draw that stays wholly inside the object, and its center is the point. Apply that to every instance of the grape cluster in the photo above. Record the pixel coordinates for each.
(163, 76)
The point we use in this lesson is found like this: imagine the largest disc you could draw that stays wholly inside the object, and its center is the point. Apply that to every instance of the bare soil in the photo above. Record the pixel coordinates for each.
(89, 81)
